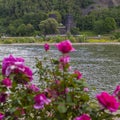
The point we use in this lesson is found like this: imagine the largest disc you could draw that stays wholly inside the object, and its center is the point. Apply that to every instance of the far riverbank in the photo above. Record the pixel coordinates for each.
(40, 44)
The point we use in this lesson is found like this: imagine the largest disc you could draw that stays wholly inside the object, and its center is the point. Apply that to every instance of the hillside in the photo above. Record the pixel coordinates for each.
(100, 4)
(107, 3)
(23, 17)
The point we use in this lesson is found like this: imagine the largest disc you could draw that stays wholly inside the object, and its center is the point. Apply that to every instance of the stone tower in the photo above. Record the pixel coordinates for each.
(69, 22)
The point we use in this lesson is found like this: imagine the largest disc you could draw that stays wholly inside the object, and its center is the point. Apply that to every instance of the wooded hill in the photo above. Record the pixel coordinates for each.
(23, 17)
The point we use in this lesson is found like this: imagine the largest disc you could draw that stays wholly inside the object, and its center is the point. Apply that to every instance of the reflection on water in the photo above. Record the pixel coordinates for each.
(100, 64)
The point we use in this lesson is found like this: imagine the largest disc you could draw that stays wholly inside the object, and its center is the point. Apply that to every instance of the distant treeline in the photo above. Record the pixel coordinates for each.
(30, 17)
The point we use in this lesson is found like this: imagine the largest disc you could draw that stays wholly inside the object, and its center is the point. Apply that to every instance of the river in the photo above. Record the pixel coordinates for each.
(99, 64)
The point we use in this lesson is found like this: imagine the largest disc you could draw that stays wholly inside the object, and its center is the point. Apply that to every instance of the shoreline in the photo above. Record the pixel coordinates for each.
(105, 43)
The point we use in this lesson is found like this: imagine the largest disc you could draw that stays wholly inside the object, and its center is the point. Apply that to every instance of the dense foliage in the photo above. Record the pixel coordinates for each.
(23, 17)
(60, 94)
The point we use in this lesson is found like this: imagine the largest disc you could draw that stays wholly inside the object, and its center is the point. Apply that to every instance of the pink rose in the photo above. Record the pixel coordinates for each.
(83, 117)
(11, 63)
(67, 90)
(117, 92)
(64, 59)
(21, 110)
(57, 82)
(3, 97)
(7, 82)
(65, 46)
(86, 89)
(1, 116)
(33, 88)
(46, 47)
(15, 65)
(78, 74)
(28, 72)
(51, 93)
(40, 100)
(108, 101)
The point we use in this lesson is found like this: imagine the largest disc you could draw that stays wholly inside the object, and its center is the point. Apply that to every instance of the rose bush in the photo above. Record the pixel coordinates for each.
(61, 93)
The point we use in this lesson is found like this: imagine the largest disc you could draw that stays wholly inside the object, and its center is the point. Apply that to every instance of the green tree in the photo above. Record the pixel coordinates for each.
(86, 22)
(21, 30)
(29, 29)
(99, 26)
(105, 26)
(109, 24)
(34, 18)
(58, 15)
(115, 13)
(85, 3)
(12, 30)
(75, 31)
(49, 26)
(100, 14)
(18, 12)
(17, 22)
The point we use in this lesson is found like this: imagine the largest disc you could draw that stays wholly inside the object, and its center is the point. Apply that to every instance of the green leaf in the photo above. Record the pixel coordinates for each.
(55, 61)
(69, 99)
(12, 110)
(19, 102)
(62, 108)
(84, 98)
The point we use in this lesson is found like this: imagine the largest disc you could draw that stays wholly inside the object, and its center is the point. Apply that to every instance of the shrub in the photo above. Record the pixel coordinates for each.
(81, 38)
(105, 26)
(75, 31)
(7, 41)
(119, 40)
(62, 93)
(49, 26)
(116, 35)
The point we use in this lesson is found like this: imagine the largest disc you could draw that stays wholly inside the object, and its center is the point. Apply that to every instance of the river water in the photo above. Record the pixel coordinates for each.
(99, 64)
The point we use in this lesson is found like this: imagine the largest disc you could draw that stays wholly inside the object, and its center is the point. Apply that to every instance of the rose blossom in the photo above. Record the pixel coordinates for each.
(7, 82)
(33, 88)
(67, 90)
(117, 92)
(15, 65)
(1, 116)
(28, 72)
(21, 110)
(51, 93)
(10, 63)
(83, 117)
(40, 100)
(78, 74)
(3, 97)
(86, 89)
(58, 82)
(65, 46)
(108, 101)
(24, 76)
(64, 59)
(46, 47)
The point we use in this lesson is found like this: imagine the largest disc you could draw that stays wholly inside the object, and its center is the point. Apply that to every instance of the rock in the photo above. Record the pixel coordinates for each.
(100, 4)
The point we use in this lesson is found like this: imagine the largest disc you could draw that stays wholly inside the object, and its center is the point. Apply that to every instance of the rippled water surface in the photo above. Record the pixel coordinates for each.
(100, 64)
